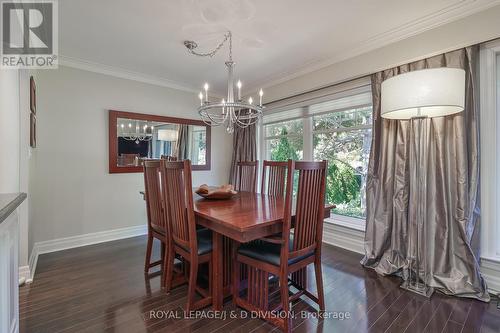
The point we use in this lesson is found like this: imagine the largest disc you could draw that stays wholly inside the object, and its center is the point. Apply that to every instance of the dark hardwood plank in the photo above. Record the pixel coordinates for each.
(102, 288)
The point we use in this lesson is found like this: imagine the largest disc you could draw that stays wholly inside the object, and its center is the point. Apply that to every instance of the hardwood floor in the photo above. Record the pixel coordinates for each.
(102, 288)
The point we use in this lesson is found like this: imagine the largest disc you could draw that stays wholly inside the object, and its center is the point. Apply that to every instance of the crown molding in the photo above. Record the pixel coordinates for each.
(446, 15)
(124, 73)
(456, 11)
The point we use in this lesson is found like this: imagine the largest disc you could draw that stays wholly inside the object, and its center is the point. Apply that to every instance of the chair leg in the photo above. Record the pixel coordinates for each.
(166, 265)
(193, 274)
(162, 256)
(149, 248)
(287, 325)
(169, 269)
(319, 283)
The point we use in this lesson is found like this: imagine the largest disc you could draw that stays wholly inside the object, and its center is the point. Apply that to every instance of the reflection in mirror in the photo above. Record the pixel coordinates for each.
(139, 139)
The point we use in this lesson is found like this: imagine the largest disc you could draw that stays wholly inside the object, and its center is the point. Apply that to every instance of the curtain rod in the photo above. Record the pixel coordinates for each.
(371, 73)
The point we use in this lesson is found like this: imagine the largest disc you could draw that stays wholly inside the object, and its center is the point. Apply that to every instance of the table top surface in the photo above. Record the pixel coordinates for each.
(246, 216)
(242, 212)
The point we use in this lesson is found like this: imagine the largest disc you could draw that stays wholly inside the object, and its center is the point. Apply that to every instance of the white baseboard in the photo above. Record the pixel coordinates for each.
(60, 244)
(353, 240)
(490, 269)
(344, 237)
(24, 273)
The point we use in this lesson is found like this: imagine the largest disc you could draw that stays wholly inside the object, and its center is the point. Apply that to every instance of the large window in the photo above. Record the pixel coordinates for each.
(490, 150)
(336, 128)
(284, 140)
(343, 139)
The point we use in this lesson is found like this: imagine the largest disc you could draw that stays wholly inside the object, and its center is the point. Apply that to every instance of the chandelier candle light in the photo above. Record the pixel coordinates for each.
(228, 111)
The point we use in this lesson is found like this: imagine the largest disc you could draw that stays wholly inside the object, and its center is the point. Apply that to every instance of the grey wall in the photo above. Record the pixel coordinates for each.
(72, 192)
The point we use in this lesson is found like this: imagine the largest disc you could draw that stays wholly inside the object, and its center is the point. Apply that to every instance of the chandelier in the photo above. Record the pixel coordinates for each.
(135, 133)
(228, 111)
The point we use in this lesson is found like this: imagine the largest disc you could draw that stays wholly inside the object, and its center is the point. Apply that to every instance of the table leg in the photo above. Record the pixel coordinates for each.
(217, 271)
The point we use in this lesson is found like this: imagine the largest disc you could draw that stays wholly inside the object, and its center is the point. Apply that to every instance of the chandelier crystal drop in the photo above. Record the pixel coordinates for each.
(228, 111)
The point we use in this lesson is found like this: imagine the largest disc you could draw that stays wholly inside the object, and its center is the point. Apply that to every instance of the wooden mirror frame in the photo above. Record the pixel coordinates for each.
(113, 142)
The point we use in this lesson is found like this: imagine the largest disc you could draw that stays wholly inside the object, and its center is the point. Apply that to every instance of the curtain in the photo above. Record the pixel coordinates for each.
(244, 148)
(450, 199)
(182, 145)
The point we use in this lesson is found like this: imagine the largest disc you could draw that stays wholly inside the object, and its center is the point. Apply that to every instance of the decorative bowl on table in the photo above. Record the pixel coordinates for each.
(216, 193)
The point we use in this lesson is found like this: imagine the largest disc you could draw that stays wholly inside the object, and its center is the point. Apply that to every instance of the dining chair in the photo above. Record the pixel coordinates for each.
(154, 207)
(283, 255)
(273, 178)
(168, 157)
(194, 246)
(130, 159)
(246, 176)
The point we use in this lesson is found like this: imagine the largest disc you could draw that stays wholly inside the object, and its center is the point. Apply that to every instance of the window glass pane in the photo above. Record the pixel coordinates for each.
(344, 119)
(284, 148)
(347, 153)
(284, 128)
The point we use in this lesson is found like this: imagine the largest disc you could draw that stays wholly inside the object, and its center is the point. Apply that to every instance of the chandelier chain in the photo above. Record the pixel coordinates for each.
(227, 36)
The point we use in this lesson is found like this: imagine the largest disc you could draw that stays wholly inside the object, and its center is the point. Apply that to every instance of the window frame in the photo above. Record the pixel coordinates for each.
(489, 67)
(357, 87)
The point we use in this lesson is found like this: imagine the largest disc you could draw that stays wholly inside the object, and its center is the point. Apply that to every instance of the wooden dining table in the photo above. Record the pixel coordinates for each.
(245, 217)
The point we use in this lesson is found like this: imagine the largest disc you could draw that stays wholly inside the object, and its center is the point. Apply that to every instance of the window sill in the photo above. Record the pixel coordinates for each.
(347, 221)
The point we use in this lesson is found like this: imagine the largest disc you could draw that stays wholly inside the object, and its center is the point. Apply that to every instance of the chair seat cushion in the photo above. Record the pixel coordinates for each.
(268, 252)
(204, 237)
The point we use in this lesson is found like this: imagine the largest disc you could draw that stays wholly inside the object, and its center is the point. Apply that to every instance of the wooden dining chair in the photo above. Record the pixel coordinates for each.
(246, 176)
(168, 158)
(154, 207)
(195, 246)
(288, 253)
(273, 178)
(130, 159)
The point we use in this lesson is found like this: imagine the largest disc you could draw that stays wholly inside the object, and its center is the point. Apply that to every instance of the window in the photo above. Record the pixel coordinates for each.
(343, 139)
(335, 127)
(284, 140)
(198, 145)
(489, 149)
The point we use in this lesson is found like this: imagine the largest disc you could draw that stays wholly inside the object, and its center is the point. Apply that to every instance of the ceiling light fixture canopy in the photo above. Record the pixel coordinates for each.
(229, 111)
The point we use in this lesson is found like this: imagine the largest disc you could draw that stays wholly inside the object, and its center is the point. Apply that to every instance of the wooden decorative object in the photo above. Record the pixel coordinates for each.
(113, 142)
(32, 130)
(32, 95)
(216, 193)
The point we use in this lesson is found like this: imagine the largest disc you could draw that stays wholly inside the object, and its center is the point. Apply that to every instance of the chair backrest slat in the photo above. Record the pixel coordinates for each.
(309, 207)
(152, 187)
(168, 158)
(178, 203)
(273, 178)
(247, 176)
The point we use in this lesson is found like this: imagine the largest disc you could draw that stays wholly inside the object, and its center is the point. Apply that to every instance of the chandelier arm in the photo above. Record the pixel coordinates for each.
(216, 122)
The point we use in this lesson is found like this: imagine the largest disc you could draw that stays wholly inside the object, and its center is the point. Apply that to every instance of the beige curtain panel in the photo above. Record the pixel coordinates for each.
(451, 204)
(244, 148)
(183, 142)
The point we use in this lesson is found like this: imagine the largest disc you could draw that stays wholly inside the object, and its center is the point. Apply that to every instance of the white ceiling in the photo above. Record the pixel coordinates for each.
(273, 39)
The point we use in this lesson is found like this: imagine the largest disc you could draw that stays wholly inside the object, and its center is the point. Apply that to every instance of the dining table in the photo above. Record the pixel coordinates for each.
(245, 217)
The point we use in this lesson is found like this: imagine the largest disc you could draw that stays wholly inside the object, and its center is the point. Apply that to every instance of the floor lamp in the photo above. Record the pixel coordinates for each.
(416, 96)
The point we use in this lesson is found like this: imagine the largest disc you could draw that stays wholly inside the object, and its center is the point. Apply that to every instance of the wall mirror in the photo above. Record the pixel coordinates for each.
(134, 137)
